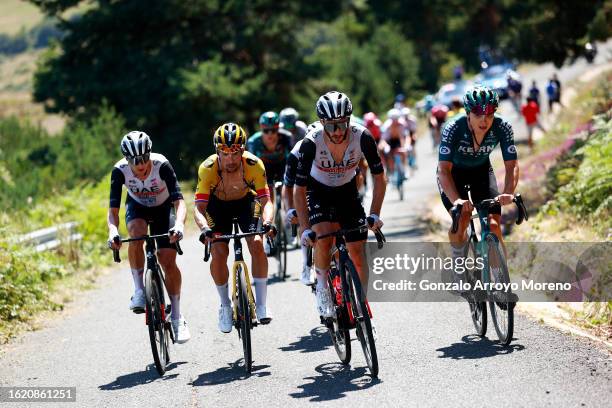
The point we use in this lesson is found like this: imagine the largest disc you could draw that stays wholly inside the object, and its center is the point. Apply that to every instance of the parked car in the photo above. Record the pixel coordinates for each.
(452, 90)
(495, 77)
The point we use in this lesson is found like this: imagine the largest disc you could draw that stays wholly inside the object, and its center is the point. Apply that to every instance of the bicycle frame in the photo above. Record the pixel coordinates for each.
(239, 261)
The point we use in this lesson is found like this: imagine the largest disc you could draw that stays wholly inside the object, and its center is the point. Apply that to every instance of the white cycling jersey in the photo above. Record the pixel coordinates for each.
(317, 162)
(155, 190)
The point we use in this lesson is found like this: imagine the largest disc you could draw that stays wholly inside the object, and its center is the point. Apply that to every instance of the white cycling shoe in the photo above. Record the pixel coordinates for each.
(325, 307)
(180, 330)
(137, 303)
(263, 315)
(225, 319)
(306, 280)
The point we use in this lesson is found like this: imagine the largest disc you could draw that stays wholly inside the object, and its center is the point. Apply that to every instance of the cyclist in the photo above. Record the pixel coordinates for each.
(394, 133)
(437, 118)
(229, 183)
(272, 145)
(326, 195)
(464, 153)
(289, 121)
(291, 217)
(411, 123)
(152, 192)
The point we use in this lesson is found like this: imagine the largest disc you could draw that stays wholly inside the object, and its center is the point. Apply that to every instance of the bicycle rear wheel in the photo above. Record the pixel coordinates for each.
(158, 333)
(244, 320)
(281, 247)
(362, 317)
(478, 307)
(502, 310)
(338, 325)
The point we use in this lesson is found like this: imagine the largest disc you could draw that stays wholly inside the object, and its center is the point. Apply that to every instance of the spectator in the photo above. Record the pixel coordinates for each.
(534, 92)
(553, 90)
(530, 111)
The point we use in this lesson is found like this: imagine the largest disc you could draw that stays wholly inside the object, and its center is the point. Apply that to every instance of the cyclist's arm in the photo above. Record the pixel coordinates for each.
(370, 152)
(307, 155)
(202, 193)
(289, 180)
(512, 176)
(262, 190)
(166, 172)
(445, 163)
(510, 157)
(117, 181)
(446, 180)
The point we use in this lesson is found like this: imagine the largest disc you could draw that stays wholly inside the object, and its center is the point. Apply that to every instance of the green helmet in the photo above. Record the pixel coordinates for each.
(480, 100)
(269, 120)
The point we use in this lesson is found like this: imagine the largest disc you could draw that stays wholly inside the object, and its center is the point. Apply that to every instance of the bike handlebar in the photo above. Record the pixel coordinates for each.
(237, 236)
(117, 240)
(380, 237)
(488, 203)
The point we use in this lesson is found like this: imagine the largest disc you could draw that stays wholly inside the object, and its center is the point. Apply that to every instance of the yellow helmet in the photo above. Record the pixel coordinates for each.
(229, 135)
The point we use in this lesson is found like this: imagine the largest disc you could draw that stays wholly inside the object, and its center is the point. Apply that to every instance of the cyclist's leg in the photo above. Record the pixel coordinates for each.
(135, 219)
(353, 216)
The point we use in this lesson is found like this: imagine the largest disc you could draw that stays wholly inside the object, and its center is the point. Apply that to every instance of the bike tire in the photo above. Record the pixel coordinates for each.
(158, 334)
(244, 321)
(502, 313)
(478, 309)
(281, 248)
(338, 327)
(362, 317)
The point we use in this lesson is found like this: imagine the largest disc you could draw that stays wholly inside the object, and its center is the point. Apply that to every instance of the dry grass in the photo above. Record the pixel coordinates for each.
(18, 14)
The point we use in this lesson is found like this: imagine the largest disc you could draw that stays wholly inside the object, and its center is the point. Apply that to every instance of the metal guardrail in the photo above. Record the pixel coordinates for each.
(52, 237)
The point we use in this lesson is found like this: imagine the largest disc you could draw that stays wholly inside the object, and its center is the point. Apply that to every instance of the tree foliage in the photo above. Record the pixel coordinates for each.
(177, 69)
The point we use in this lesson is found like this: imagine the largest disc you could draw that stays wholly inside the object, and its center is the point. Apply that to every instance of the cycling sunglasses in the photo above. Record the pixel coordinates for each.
(227, 150)
(330, 127)
(480, 110)
(140, 159)
(270, 130)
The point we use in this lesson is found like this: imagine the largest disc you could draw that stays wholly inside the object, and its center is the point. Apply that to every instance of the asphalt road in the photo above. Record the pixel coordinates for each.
(428, 353)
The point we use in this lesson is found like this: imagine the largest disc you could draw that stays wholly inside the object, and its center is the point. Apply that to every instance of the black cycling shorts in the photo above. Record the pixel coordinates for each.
(395, 143)
(220, 215)
(336, 204)
(482, 181)
(159, 218)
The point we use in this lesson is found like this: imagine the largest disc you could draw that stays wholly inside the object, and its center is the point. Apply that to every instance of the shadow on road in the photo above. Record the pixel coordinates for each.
(334, 381)
(473, 347)
(233, 372)
(150, 374)
(317, 340)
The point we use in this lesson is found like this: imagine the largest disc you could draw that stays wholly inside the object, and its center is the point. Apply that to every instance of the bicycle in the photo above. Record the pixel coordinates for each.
(244, 316)
(501, 303)
(281, 241)
(399, 175)
(157, 312)
(351, 308)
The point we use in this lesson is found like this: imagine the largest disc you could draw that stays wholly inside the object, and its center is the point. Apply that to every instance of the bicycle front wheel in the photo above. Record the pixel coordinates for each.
(338, 325)
(158, 333)
(281, 247)
(362, 316)
(478, 307)
(244, 320)
(502, 310)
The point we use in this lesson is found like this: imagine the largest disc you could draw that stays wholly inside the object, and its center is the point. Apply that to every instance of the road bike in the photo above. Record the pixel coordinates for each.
(351, 308)
(489, 249)
(244, 317)
(281, 240)
(157, 311)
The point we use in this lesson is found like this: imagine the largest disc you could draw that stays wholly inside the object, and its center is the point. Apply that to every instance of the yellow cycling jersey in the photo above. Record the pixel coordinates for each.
(253, 176)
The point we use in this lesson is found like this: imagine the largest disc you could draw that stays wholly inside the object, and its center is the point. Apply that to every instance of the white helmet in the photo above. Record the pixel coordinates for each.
(135, 143)
(406, 111)
(394, 114)
(334, 105)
